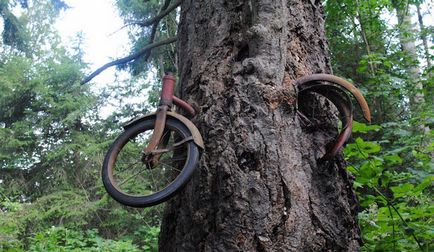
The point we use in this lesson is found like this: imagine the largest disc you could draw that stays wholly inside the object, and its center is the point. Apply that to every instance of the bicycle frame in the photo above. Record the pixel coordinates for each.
(167, 99)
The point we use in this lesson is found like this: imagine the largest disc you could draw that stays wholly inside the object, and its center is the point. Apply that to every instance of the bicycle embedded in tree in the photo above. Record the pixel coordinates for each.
(155, 156)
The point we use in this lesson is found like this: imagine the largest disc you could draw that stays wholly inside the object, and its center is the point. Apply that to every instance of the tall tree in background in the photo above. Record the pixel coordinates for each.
(374, 43)
(407, 38)
(41, 108)
(359, 41)
(43, 134)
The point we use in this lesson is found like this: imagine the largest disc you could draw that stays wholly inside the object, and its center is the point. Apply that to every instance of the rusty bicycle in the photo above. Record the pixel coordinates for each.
(156, 154)
(336, 90)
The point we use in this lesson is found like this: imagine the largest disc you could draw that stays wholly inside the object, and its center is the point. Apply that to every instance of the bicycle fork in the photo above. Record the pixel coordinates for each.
(166, 101)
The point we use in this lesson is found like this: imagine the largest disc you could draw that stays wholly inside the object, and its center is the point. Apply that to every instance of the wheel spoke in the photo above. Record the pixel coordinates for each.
(157, 188)
(132, 176)
(164, 135)
(129, 163)
(170, 166)
(133, 165)
(178, 158)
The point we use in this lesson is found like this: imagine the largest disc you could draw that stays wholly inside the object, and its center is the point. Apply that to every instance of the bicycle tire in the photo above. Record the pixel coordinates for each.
(130, 137)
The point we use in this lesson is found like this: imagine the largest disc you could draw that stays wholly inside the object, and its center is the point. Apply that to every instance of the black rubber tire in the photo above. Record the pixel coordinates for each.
(191, 160)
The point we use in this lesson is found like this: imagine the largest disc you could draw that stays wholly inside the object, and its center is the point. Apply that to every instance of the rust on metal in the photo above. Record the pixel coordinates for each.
(312, 79)
(343, 104)
(197, 137)
(336, 94)
(159, 126)
(175, 145)
(167, 89)
(167, 97)
(185, 106)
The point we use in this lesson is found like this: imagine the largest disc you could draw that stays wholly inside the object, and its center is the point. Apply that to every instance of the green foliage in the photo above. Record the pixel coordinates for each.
(63, 239)
(364, 128)
(13, 31)
(393, 160)
(52, 137)
(393, 184)
(70, 220)
(52, 141)
(161, 59)
(16, 29)
(151, 239)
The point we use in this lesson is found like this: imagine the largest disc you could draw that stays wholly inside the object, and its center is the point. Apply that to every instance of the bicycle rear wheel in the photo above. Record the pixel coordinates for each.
(140, 181)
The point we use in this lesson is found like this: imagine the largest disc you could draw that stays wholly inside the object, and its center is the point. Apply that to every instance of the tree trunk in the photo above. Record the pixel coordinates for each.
(407, 39)
(259, 185)
(423, 37)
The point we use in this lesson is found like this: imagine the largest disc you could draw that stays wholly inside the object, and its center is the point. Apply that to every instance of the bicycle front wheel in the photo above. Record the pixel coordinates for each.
(141, 181)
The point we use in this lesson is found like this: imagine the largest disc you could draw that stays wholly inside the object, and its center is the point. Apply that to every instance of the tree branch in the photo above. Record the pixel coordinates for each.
(155, 27)
(163, 12)
(128, 58)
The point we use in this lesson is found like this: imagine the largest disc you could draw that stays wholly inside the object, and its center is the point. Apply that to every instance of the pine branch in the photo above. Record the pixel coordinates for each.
(129, 58)
(155, 21)
(164, 12)
(156, 24)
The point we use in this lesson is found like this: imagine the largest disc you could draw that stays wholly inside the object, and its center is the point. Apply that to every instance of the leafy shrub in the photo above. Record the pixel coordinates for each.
(63, 239)
(393, 182)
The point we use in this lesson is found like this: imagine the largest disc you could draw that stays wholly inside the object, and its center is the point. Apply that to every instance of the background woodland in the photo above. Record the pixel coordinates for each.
(53, 136)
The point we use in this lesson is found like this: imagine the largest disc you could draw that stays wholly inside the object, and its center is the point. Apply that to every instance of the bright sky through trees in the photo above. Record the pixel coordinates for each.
(103, 40)
(99, 22)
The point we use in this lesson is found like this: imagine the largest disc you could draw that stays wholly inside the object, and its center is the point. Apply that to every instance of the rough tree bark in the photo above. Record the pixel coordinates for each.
(259, 185)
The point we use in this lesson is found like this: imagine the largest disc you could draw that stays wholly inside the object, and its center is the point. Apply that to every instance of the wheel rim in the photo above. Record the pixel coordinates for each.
(135, 176)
